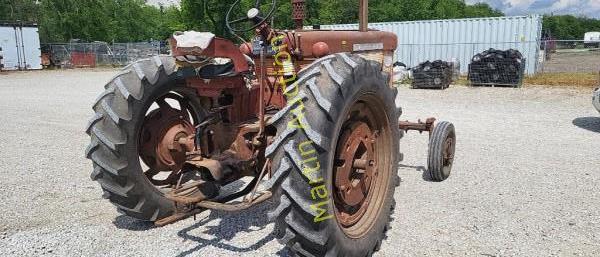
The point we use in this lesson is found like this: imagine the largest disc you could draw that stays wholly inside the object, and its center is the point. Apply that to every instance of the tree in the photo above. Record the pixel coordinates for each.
(569, 27)
(209, 15)
(171, 21)
(18, 10)
(133, 20)
(206, 15)
(481, 10)
(105, 20)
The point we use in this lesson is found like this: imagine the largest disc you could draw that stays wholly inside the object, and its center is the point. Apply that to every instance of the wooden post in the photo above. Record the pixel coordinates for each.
(364, 15)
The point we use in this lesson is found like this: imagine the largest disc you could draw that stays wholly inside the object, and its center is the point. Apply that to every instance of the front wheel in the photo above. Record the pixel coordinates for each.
(442, 144)
(335, 158)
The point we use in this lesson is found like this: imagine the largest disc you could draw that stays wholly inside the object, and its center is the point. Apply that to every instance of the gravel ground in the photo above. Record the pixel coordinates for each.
(525, 181)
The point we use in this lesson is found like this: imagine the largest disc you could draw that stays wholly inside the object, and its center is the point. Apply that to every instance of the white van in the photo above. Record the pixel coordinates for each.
(591, 39)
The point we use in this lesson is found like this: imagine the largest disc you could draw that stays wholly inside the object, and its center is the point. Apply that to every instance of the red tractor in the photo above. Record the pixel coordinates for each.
(310, 115)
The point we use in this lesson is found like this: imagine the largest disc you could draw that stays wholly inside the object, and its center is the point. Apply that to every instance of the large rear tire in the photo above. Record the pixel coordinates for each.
(120, 112)
(340, 107)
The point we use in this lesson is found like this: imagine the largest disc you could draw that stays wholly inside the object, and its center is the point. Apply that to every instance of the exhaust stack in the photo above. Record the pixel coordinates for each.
(363, 15)
(299, 13)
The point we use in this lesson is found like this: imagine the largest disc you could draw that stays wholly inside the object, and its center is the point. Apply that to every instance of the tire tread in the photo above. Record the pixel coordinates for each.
(294, 226)
(112, 110)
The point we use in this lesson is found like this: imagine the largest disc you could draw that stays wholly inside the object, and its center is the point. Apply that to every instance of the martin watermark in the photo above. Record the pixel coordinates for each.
(310, 164)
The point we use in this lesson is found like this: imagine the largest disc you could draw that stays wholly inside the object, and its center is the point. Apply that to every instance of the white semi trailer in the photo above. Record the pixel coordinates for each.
(591, 39)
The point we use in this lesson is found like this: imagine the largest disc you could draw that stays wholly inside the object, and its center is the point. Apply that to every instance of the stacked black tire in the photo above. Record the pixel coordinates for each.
(432, 75)
(1, 59)
(494, 67)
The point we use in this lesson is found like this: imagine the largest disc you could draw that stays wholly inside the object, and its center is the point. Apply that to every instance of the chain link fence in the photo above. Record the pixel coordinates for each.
(547, 62)
(89, 55)
(568, 62)
(569, 56)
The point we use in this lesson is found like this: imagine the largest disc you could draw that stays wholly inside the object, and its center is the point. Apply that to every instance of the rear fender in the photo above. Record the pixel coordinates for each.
(218, 47)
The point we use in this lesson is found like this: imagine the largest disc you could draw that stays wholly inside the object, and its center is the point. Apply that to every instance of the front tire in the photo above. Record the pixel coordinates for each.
(442, 145)
(335, 159)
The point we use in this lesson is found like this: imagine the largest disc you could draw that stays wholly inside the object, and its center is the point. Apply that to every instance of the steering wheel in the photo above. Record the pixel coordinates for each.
(254, 17)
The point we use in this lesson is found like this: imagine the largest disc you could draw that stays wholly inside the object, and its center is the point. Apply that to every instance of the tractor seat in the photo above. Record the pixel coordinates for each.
(212, 71)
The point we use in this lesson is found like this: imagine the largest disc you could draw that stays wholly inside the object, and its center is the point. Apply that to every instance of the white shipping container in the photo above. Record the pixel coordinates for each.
(461, 39)
(591, 37)
(21, 47)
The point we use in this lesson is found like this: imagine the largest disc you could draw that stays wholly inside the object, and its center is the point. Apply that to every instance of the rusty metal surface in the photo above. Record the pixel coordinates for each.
(353, 177)
(345, 41)
(83, 60)
(356, 167)
(164, 139)
(262, 80)
(233, 145)
(298, 13)
(363, 14)
(300, 43)
(262, 196)
(320, 49)
(362, 166)
(215, 167)
(192, 192)
(214, 87)
(356, 157)
(219, 47)
(194, 209)
(243, 146)
(178, 216)
(448, 152)
(193, 199)
(246, 101)
(263, 172)
(418, 126)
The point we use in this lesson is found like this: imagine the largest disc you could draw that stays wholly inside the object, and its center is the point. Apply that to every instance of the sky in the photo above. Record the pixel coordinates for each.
(589, 8)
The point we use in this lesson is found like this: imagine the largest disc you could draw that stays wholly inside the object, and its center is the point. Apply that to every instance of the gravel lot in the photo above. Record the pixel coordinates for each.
(525, 183)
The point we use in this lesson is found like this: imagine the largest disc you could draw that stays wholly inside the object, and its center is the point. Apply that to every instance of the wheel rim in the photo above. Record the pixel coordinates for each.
(168, 119)
(448, 153)
(361, 167)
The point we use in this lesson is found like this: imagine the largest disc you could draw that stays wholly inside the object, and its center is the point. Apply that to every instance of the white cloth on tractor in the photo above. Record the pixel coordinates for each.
(193, 39)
